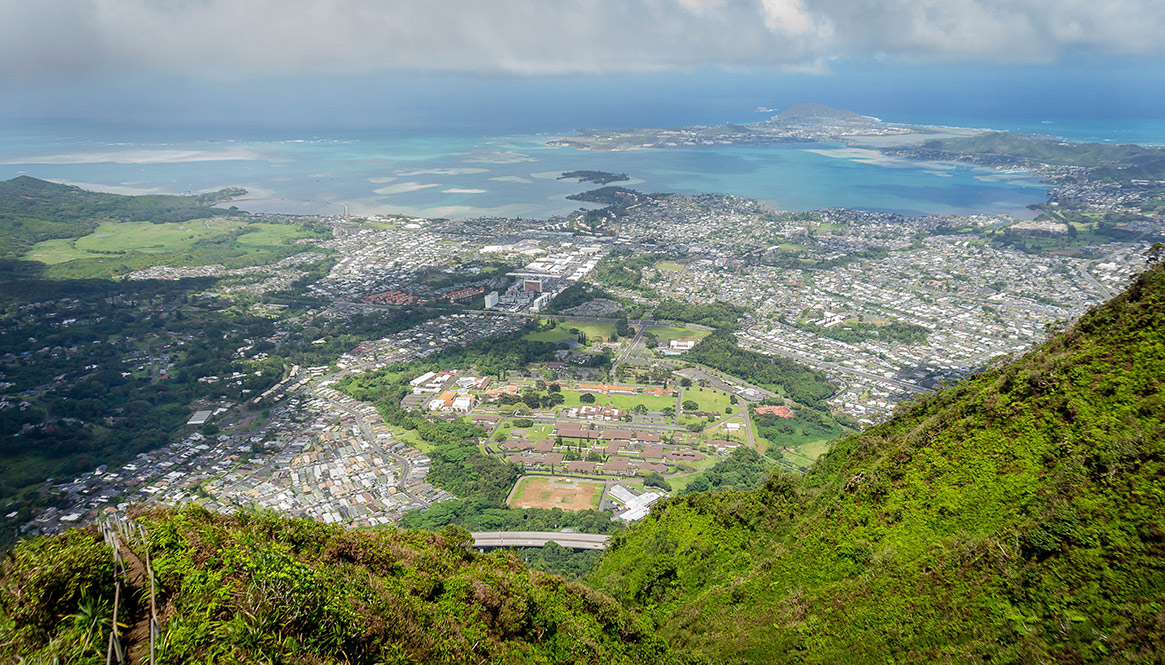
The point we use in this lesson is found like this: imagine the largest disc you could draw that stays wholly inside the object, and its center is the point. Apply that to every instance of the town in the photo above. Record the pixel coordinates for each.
(623, 404)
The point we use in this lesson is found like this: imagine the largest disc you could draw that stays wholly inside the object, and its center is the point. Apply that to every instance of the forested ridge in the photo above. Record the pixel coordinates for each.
(1018, 516)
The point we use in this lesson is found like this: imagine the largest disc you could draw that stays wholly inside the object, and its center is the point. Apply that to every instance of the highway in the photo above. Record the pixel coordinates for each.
(578, 541)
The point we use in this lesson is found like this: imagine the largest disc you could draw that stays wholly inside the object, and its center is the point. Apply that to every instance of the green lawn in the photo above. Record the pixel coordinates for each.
(667, 333)
(121, 247)
(271, 234)
(625, 402)
(539, 432)
(710, 399)
(804, 454)
(593, 330)
(670, 266)
(133, 237)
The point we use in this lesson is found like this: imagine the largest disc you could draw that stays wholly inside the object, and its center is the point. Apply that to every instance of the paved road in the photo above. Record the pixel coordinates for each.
(578, 541)
(403, 478)
(643, 326)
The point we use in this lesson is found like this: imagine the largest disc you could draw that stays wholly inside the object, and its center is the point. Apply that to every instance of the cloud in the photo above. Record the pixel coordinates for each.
(235, 39)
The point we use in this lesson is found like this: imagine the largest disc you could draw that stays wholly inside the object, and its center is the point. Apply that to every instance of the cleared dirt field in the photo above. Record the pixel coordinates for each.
(564, 493)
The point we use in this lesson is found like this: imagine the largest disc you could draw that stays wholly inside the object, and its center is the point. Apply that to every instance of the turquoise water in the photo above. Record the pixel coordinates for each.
(467, 176)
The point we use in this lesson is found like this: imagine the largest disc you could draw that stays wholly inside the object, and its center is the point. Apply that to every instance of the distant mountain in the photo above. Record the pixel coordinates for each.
(1016, 517)
(809, 111)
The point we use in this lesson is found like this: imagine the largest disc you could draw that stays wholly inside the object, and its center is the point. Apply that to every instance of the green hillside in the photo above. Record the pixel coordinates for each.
(1114, 162)
(256, 588)
(1018, 517)
(33, 210)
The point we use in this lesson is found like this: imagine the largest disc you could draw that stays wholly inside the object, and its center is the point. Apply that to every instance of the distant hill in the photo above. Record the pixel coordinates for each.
(32, 210)
(1016, 517)
(808, 111)
(1120, 163)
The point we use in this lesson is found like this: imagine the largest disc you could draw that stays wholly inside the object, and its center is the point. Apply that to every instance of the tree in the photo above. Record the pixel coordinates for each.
(586, 398)
(686, 382)
(732, 399)
(690, 405)
(554, 388)
(654, 479)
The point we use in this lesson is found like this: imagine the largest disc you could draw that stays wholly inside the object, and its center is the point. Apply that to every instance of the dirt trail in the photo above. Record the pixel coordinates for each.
(137, 639)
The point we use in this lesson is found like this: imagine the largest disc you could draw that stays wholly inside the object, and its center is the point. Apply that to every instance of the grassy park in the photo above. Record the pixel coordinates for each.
(594, 331)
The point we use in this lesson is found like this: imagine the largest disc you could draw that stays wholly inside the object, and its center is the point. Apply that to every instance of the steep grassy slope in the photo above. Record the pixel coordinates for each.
(266, 589)
(1019, 516)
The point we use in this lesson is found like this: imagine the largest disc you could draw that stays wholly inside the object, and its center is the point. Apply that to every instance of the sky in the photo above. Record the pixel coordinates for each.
(471, 63)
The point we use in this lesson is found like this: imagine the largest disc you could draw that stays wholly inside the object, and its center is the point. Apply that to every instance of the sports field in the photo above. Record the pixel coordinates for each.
(666, 334)
(594, 330)
(564, 493)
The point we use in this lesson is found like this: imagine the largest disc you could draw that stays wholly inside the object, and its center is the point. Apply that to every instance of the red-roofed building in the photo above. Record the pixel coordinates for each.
(617, 464)
(607, 389)
(778, 411)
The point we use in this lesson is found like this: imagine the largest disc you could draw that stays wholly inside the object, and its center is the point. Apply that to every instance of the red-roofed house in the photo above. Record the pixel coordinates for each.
(778, 411)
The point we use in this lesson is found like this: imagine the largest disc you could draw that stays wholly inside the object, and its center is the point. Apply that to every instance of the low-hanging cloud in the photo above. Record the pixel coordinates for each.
(241, 38)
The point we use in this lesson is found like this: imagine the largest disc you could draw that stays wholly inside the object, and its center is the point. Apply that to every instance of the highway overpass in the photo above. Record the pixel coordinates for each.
(578, 541)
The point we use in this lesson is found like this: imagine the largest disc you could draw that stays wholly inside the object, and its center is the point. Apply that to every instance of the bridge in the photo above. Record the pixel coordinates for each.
(578, 541)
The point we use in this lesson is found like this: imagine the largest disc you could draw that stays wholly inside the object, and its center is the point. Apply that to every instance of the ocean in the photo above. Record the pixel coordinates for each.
(462, 176)
(467, 173)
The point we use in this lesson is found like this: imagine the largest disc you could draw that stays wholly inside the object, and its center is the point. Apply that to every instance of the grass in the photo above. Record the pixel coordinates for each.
(679, 483)
(411, 437)
(120, 237)
(667, 333)
(271, 234)
(625, 402)
(593, 330)
(539, 432)
(710, 400)
(670, 266)
(116, 248)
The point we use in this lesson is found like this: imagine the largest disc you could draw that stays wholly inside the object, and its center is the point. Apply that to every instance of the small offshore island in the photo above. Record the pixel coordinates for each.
(594, 177)
(612, 372)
